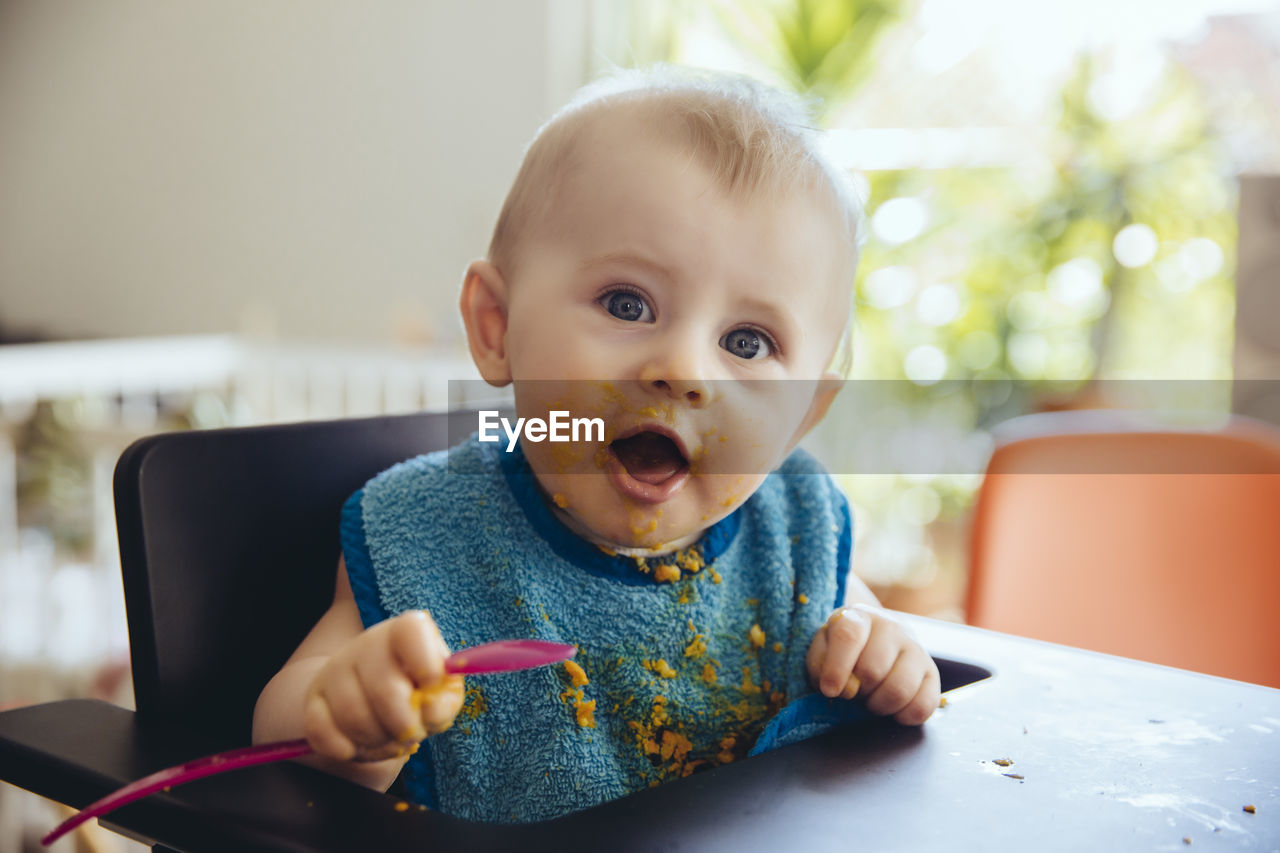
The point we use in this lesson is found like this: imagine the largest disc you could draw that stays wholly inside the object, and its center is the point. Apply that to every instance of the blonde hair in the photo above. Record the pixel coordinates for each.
(756, 140)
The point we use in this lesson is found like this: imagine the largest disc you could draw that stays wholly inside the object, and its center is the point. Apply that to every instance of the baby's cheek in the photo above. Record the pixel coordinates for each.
(726, 492)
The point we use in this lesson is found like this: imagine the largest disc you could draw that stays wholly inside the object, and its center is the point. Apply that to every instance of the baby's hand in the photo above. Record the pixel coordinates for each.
(862, 651)
(382, 692)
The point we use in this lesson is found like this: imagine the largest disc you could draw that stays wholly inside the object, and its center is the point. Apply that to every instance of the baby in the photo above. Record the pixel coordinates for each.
(675, 259)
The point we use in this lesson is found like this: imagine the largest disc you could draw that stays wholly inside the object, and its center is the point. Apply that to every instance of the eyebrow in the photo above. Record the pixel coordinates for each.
(629, 258)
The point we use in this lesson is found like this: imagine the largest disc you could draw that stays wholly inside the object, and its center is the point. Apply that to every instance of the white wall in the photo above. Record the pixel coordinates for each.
(317, 169)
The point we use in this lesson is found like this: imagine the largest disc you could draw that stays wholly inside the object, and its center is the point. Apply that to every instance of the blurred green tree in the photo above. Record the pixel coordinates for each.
(1106, 253)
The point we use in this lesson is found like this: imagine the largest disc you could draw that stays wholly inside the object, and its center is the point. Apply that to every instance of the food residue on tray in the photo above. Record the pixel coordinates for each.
(1003, 762)
(1251, 809)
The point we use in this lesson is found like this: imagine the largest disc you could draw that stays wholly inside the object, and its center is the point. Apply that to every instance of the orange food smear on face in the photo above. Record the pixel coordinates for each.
(565, 455)
(613, 395)
(560, 500)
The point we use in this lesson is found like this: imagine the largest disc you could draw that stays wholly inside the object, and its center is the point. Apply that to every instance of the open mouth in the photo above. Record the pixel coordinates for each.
(649, 465)
(649, 457)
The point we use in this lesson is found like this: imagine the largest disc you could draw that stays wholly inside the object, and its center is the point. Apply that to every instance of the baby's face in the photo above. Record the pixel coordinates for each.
(696, 325)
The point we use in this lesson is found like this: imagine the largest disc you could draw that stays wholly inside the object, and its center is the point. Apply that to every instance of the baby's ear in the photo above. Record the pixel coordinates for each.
(484, 313)
(823, 396)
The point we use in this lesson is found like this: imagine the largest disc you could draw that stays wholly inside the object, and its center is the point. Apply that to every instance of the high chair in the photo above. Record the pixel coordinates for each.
(1103, 530)
(229, 549)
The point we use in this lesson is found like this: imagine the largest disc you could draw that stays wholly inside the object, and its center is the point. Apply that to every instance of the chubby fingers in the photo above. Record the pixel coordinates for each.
(438, 704)
(383, 692)
(925, 702)
(862, 651)
(322, 732)
(899, 677)
(417, 647)
(338, 719)
(389, 692)
(909, 690)
(434, 698)
(835, 651)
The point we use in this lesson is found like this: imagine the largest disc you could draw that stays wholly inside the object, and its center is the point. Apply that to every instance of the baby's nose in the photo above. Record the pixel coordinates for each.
(695, 392)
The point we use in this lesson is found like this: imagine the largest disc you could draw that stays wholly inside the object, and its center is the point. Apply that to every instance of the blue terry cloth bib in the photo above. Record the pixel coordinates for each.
(676, 675)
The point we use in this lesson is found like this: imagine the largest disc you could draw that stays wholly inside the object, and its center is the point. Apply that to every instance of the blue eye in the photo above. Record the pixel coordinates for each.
(746, 344)
(628, 306)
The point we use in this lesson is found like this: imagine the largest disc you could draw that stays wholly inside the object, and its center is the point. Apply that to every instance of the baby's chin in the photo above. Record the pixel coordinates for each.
(650, 535)
(613, 526)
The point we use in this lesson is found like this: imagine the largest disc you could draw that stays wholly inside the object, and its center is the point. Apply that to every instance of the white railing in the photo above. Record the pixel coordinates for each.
(63, 617)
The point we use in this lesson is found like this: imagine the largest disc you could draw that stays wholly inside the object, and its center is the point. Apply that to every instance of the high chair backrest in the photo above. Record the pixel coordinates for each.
(1097, 530)
(229, 550)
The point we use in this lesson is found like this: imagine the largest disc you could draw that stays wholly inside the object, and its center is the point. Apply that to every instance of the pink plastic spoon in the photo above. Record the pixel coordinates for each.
(501, 656)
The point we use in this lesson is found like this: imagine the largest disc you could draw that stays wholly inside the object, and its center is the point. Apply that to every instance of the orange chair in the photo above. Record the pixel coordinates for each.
(1096, 530)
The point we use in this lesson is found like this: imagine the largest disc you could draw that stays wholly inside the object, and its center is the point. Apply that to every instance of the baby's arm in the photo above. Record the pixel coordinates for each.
(351, 691)
(862, 651)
